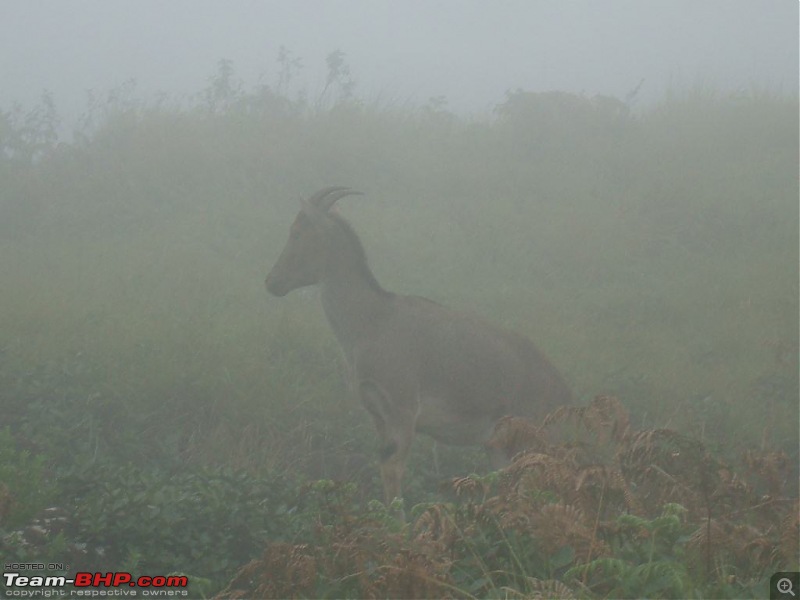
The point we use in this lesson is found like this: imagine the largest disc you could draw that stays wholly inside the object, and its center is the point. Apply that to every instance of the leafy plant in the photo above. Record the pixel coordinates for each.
(26, 485)
(205, 521)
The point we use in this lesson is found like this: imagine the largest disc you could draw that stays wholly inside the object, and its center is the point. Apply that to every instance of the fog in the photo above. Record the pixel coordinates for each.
(615, 181)
(468, 51)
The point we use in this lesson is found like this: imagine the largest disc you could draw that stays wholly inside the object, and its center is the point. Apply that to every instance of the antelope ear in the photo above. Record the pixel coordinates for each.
(312, 212)
(307, 208)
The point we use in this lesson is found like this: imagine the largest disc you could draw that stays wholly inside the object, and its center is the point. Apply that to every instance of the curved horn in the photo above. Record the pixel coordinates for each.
(327, 197)
(316, 198)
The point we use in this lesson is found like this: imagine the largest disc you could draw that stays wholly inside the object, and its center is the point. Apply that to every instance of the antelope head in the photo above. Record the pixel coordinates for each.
(311, 243)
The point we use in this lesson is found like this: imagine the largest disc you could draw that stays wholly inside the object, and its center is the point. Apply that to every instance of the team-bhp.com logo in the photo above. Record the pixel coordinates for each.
(92, 584)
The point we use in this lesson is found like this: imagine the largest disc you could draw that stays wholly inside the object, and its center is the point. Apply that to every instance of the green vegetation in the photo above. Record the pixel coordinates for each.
(177, 416)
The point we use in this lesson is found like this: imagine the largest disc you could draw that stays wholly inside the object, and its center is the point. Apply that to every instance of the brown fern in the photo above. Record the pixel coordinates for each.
(512, 435)
(541, 589)
(771, 468)
(559, 525)
(788, 550)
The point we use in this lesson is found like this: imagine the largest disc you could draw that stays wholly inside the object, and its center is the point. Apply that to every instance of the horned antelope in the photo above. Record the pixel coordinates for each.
(416, 365)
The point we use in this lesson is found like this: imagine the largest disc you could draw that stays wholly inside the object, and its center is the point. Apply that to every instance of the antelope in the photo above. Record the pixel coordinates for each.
(416, 365)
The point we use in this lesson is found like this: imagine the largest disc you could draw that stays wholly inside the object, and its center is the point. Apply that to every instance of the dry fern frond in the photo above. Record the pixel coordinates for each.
(744, 545)
(563, 414)
(666, 466)
(533, 472)
(471, 486)
(506, 512)
(541, 589)
(604, 416)
(731, 487)
(752, 548)
(436, 525)
(607, 482)
(708, 542)
(771, 467)
(559, 525)
(412, 575)
(789, 545)
(608, 418)
(284, 570)
(512, 435)
(550, 589)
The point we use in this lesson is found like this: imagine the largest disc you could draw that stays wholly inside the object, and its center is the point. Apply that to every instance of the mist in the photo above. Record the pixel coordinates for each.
(617, 182)
(467, 52)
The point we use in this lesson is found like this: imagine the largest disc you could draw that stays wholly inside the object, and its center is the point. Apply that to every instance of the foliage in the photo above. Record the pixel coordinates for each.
(25, 483)
(652, 255)
(556, 521)
(174, 518)
(118, 517)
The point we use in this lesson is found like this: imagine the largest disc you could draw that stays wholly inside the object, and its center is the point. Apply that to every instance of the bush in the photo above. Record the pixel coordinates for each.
(26, 485)
(206, 522)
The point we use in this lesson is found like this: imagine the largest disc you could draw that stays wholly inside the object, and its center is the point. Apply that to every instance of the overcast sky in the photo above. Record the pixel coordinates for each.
(470, 51)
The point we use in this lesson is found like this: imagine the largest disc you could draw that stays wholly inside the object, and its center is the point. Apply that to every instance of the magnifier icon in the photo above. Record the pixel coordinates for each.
(785, 586)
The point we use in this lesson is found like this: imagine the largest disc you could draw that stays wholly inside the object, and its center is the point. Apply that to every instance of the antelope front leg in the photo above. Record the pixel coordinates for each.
(396, 429)
(393, 465)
